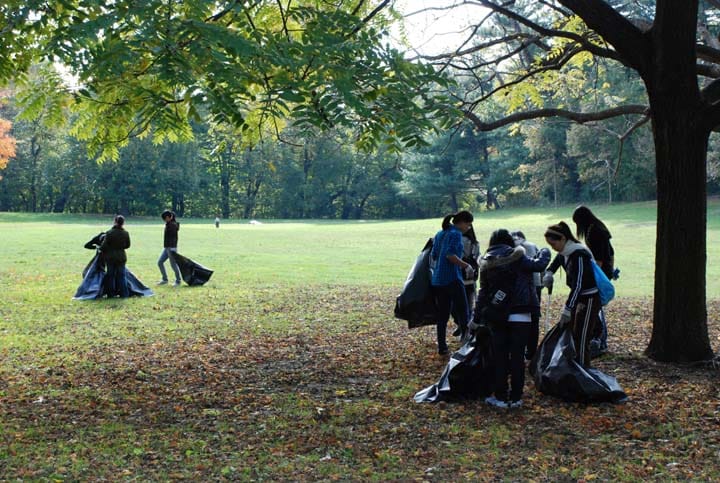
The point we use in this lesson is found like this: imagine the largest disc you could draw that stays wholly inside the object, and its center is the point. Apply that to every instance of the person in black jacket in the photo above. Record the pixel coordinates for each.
(506, 302)
(113, 247)
(170, 242)
(582, 306)
(597, 238)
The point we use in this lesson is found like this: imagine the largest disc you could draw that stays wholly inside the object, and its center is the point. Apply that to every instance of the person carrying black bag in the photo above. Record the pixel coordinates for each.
(506, 300)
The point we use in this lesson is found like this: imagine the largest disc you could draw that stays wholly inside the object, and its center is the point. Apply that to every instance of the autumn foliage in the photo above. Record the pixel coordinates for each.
(7, 143)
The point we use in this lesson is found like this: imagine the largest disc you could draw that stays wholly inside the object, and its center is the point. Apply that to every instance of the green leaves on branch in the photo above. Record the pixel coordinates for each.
(149, 68)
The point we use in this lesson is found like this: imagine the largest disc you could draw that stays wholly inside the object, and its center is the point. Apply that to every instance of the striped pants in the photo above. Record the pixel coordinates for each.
(584, 319)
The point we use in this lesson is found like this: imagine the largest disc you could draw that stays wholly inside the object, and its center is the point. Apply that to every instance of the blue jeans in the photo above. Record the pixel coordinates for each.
(450, 298)
(508, 342)
(165, 255)
(116, 281)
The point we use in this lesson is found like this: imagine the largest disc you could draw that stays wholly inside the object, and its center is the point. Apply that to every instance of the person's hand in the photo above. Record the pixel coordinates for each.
(564, 318)
(469, 271)
(548, 280)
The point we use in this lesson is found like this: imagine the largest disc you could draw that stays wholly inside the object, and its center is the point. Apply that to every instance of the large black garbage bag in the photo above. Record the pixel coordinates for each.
(92, 285)
(416, 303)
(192, 272)
(468, 374)
(556, 372)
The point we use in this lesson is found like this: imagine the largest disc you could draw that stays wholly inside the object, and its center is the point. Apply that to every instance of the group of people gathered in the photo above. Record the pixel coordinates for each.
(512, 273)
(111, 246)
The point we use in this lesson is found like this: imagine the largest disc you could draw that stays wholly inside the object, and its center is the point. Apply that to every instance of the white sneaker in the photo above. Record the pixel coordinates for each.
(162, 282)
(492, 401)
(516, 404)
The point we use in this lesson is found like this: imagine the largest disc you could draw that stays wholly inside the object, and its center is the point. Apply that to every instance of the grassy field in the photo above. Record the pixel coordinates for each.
(288, 365)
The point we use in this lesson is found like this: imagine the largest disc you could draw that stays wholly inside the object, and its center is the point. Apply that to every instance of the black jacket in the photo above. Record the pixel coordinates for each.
(577, 261)
(523, 298)
(170, 237)
(598, 241)
(113, 247)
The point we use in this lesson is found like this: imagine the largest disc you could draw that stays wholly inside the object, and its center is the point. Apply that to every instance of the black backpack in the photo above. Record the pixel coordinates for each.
(496, 299)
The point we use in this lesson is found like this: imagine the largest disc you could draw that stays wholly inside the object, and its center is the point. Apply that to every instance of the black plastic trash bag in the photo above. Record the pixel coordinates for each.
(556, 372)
(468, 375)
(92, 287)
(192, 273)
(416, 303)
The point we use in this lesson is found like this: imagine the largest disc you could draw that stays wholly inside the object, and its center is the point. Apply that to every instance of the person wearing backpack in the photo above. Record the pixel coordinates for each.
(582, 307)
(597, 237)
(447, 277)
(505, 303)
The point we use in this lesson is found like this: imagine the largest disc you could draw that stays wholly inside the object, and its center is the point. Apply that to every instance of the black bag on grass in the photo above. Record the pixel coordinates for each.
(92, 286)
(468, 375)
(192, 272)
(556, 372)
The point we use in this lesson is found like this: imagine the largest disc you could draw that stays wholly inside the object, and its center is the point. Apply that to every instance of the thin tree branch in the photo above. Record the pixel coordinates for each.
(579, 117)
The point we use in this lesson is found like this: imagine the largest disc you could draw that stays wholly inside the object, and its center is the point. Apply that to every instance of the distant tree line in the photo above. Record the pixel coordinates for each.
(224, 172)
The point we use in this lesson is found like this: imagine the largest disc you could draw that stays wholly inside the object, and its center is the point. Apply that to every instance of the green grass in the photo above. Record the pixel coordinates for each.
(43, 253)
(288, 364)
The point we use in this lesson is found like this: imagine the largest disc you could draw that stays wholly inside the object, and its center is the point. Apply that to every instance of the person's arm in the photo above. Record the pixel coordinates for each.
(581, 265)
(555, 264)
(536, 264)
(455, 251)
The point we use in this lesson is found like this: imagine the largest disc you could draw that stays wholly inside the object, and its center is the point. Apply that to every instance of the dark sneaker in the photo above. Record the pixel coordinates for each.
(162, 282)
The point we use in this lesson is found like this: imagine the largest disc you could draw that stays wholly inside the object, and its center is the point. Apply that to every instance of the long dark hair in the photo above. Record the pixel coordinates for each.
(471, 235)
(584, 219)
(460, 216)
(501, 237)
(119, 221)
(556, 232)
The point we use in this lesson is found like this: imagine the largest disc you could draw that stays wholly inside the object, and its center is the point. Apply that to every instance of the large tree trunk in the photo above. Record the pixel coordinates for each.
(681, 141)
(680, 316)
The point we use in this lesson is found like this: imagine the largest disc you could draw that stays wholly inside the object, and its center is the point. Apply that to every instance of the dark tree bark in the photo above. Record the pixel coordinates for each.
(681, 140)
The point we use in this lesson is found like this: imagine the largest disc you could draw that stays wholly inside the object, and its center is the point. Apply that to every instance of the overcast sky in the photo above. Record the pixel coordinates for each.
(433, 30)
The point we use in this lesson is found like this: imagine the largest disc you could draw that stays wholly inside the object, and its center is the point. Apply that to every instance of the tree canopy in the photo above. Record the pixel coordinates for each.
(150, 68)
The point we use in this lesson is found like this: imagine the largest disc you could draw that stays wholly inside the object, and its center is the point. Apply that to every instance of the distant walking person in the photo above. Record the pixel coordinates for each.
(447, 279)
(113, 247)
(217, 222)
(597, 238)
(170, 242)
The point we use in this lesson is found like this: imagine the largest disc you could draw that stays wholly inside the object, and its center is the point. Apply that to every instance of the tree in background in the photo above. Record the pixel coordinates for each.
(677, 63)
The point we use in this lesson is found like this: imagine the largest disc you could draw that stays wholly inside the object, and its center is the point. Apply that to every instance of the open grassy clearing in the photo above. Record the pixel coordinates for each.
(289, 366)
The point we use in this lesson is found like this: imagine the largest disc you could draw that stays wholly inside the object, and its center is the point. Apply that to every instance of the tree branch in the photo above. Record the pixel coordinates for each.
(585, 43)
(630, 43)
(579, 117)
